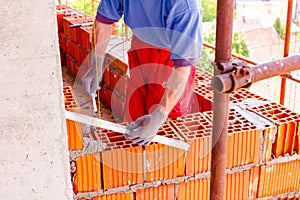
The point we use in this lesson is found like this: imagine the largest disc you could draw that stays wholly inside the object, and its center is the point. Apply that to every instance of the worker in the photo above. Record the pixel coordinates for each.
(165, 47)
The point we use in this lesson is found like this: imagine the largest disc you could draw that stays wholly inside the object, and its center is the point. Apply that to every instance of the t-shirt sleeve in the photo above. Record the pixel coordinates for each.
(109, 11)
(185, 35)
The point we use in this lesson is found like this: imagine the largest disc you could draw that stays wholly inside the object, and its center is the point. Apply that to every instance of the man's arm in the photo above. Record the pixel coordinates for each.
(100, 39)
(102, 33)
(145, 128)
(175, 88)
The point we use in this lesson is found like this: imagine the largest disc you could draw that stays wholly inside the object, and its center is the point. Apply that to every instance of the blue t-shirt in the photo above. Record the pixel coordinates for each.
(172, 24)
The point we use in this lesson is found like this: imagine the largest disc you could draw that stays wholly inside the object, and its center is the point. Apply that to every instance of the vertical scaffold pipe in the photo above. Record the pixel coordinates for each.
(286, 47)
(221, 101)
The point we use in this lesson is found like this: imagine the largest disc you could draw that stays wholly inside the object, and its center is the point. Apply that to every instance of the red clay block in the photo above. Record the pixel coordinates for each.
(73, 31)
(196, 130)
(243, 94)
(68, 63)
(82, 55)
(279, 179)
(63, 40)
(254, 179)
(63, 57)
(165, 192)
(88, 174)
(194, 189)
(238, 185)
(77, 184)
(70, 19)
(110, 60)
(96, 172)
(73, 50)
(115, 173)
(243, 140)
(163, 162)
(122, 161)
(120, 196)
(61, 11)
(74, 128)
(287, 127)
(85, 34)
(105, 95)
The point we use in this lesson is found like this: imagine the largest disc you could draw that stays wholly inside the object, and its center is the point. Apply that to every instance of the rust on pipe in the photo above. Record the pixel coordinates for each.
(225, 82)
(286, 47)
(221, 101)
(275, 68)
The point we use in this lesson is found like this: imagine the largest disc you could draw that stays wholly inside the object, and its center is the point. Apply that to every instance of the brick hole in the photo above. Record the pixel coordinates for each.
(113, 134)
(120, 143)
(237, 126)
(161, 133)
(168, 129)
(191, 123)
(190, 136)
(116, 138)
(274, 112)
(195, 128)
(282, 115)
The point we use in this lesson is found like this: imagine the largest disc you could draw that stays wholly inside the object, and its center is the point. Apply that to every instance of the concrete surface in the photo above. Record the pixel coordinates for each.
(33, 141)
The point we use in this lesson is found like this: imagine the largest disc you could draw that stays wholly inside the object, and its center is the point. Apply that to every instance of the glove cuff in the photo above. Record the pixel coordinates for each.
(158, 115)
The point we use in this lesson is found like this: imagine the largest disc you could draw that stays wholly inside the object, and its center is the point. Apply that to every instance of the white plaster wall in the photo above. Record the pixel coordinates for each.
(33, 141)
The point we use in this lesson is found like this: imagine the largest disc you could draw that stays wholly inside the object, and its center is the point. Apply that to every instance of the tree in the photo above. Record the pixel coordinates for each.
(209, 10)
(208, 55)
(279, 27)
(84, 6)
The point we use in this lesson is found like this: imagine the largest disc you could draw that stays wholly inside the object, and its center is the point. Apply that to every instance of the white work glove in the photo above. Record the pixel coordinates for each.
(92, 78)
(144, 129)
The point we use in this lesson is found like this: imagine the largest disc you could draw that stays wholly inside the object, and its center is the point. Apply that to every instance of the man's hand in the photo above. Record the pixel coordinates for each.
(92, 78)
(145, 128)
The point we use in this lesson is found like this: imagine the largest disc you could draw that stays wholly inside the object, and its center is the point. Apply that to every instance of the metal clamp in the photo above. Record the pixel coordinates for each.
(235, 74)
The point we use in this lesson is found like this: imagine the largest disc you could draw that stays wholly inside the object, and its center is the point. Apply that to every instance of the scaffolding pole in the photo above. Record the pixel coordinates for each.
(286, 47)
(221, 100)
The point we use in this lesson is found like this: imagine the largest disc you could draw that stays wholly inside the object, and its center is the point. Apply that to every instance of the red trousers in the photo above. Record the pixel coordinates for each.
(150, 68)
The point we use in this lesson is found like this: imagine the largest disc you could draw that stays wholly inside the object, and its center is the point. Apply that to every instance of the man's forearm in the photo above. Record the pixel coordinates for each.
(175, 88)
(102, 33)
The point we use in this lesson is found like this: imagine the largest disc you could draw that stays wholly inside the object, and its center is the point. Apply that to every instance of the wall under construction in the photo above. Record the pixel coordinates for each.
(33, 141)
(263, 154)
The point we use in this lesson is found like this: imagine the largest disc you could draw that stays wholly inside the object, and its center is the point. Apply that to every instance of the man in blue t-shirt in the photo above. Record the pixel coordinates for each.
(166, 46)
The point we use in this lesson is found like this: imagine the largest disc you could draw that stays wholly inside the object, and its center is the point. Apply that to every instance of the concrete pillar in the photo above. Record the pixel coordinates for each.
(34, 161)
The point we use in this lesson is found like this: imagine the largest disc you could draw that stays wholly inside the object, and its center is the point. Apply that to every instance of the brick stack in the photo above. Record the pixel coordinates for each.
(113, 85)
(127, 171)
(75, 45)
(75, 42)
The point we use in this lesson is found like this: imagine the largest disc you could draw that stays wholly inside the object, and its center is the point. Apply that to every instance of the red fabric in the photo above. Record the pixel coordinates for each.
(150, 68)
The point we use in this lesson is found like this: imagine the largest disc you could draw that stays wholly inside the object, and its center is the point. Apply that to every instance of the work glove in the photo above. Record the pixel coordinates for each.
(144, 129)
(91, 79)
